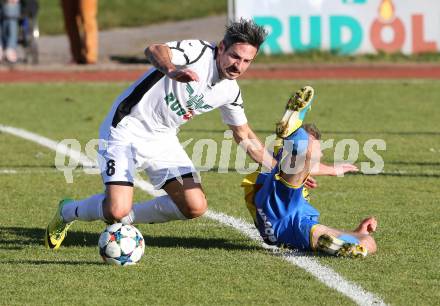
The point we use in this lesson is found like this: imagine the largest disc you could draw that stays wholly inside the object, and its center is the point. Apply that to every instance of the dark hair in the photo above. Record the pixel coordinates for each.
(244, 31)
(311, 129)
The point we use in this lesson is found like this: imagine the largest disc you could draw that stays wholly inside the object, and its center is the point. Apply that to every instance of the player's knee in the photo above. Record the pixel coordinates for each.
(195, 207)
(116, 210)
(118, 202)
(118, 213)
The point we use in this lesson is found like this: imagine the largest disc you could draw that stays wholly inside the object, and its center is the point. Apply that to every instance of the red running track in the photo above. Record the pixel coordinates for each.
(281, 73)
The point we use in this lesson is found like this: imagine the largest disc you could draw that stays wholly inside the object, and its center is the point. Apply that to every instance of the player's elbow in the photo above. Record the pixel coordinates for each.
(154, 49)
(148, 51)
(240, 132)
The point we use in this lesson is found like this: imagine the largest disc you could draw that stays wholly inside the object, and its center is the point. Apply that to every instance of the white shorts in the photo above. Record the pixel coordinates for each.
(130, 148)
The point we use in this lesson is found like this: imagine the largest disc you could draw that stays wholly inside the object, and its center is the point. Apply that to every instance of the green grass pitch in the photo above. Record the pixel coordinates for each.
(204, 262)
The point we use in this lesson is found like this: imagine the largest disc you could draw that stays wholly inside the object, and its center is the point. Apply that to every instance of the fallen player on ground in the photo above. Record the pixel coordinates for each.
(278, 200)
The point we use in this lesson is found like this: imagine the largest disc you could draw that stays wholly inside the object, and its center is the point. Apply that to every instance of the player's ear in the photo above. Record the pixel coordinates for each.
(221, 46)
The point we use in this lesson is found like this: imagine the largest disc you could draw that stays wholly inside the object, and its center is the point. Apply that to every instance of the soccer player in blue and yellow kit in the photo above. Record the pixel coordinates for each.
(278, 200)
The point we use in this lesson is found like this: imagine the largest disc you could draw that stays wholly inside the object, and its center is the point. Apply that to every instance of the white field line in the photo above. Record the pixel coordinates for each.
(67, 151)
(8, 171)
(324, 274)
(27, 171)
(19, 171)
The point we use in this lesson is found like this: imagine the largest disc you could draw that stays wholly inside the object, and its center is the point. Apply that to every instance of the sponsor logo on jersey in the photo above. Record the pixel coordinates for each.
(174, 104)
(193, 103)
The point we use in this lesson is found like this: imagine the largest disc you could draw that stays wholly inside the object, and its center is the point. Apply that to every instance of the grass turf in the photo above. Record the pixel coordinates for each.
(201, 261)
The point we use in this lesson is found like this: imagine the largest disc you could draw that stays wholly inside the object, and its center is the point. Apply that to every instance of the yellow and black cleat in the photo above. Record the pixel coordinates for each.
(337, 247)
(56, 230)
(296, 108)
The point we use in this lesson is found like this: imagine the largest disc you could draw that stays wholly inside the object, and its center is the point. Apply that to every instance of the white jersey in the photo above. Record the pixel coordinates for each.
(160, 104)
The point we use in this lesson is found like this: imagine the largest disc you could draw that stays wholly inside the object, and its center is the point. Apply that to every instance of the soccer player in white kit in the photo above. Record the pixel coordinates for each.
(189, 78)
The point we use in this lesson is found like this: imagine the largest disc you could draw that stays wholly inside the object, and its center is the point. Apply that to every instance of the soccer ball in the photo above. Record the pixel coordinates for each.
(121, 245)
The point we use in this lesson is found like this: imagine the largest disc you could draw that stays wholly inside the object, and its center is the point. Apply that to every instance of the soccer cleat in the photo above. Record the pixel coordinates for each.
(56, 230)
(337, 247)
(296, 109)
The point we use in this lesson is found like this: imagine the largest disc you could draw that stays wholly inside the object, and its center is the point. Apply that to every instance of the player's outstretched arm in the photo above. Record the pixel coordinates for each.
(248, 140)
(333, 170)
(160, 57)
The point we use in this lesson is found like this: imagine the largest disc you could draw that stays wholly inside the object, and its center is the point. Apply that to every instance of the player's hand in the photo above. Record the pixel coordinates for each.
(183, 75)
(341, 169)
(311, 183)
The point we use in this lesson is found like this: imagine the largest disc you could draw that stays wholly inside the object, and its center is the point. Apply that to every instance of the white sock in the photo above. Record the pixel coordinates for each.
(158, 210)
(89, 209)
